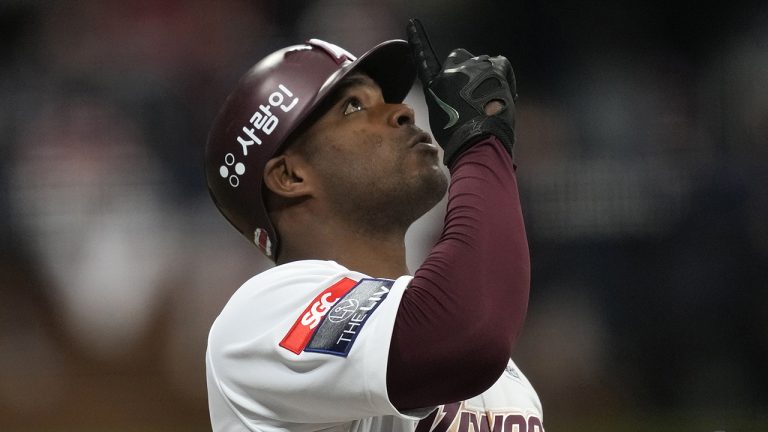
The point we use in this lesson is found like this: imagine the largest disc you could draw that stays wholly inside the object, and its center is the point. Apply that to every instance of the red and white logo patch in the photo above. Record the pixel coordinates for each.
(304, 327)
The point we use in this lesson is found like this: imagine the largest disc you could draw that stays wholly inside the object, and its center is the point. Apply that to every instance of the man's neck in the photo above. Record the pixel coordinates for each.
(377, 256)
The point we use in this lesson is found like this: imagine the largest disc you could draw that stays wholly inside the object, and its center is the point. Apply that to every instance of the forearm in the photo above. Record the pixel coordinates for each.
(460, 317)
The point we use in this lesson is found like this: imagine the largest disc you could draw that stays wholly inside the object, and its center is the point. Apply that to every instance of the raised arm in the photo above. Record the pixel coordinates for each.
(460, 317)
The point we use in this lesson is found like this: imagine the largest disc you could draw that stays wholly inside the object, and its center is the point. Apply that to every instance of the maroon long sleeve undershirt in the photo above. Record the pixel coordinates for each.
(462, 312)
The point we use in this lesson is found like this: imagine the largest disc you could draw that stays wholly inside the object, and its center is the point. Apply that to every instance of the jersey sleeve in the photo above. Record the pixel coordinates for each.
(306, 343)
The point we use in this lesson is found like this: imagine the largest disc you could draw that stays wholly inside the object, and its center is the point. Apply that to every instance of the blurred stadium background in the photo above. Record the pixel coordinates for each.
(643, 153)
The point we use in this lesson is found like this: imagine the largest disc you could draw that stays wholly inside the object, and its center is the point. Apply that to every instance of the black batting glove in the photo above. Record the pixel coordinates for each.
(458, 92)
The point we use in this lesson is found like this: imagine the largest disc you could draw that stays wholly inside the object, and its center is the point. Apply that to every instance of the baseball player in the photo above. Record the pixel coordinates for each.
(315, 159)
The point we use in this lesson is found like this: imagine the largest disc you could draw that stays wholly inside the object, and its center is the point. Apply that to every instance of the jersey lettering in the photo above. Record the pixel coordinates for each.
(456, 418)
(304, 327)
(312, 318)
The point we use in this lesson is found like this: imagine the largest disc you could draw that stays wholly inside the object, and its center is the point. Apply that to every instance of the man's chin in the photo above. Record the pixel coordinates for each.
(433, 188)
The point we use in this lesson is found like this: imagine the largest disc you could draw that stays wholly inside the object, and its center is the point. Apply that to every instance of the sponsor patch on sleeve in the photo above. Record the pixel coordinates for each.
(301, 331)
(344, 321)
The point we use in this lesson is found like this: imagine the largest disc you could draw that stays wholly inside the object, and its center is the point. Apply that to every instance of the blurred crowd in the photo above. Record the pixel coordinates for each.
(643, 164)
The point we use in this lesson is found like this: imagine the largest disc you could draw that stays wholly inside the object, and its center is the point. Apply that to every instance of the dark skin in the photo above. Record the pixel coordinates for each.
(350, 186)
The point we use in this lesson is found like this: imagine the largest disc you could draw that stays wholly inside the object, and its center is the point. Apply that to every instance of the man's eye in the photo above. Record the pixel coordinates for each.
(352, 105)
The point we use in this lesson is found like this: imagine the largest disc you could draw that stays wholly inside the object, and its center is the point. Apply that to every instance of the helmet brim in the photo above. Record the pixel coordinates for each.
(389, 64)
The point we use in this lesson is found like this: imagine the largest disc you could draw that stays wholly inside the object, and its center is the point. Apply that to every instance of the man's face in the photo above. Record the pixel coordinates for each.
(374, 166)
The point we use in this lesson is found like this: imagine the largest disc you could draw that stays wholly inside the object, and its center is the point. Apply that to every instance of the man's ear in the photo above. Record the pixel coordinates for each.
(284, 175)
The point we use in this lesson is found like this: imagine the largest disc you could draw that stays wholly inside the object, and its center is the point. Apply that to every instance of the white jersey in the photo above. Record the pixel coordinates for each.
(304, 347)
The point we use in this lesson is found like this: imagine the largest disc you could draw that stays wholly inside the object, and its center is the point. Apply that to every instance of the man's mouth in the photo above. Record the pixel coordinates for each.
(422, 138)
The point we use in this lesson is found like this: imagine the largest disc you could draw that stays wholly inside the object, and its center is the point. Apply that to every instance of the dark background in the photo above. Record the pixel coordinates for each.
(643, 155)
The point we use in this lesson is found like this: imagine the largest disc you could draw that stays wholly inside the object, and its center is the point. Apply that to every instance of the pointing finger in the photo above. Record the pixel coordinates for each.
(426, 61)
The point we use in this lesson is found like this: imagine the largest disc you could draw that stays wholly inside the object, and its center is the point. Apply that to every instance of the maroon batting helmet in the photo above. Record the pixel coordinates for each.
(268, 104)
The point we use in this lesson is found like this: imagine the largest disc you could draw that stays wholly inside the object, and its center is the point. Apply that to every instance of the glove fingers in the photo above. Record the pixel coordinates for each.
(427, 64)
(501, 64)
(456, 57)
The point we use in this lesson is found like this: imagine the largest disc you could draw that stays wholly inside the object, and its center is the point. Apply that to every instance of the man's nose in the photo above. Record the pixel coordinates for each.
(401, 115)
